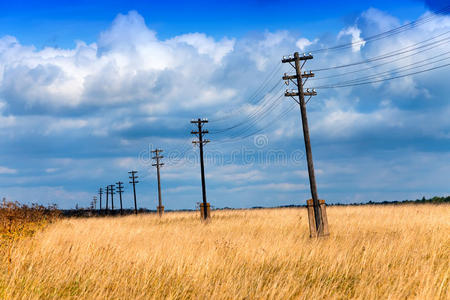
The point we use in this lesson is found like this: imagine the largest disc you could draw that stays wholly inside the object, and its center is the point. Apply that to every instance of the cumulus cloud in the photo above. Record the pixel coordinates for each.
(207, 45)
(127, 64)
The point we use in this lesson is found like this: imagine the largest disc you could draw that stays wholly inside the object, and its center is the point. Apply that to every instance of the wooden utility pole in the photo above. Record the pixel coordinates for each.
(107, 195)
(94, 203)
(318, 222)
(158, 164)
(100, 193)
(133, 178)
(111, 190)
(120, 191)
(205, 206)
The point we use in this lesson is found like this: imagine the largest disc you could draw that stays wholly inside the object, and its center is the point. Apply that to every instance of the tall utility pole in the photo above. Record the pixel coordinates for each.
(318, 223)
(133, 178)
(111, 190)
(204, 207)
(120, 191)
(158, 164)
(100, 193)
(107, 195)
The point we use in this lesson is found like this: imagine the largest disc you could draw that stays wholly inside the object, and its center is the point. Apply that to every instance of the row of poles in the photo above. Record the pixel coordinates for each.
(111, 191)
(318, 223)
(205, 207)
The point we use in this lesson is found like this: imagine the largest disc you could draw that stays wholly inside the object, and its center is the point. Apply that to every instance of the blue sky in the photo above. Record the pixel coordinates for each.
(86, 89)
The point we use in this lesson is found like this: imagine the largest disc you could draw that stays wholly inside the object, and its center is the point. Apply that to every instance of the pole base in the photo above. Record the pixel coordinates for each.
(202, 211)
(323, 229)
(160, 210)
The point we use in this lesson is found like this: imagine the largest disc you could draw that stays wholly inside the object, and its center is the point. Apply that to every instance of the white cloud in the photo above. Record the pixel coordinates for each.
(127, 163)
(127, 64)
(64, 125)
(5, 170)
(237, 174)
(8, 121)
(283, 186)
(356, 40)
(302, 43)
(47, 195)
(207, 45)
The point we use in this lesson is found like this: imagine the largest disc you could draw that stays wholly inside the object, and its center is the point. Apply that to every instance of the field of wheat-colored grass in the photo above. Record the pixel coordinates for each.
(373, 252)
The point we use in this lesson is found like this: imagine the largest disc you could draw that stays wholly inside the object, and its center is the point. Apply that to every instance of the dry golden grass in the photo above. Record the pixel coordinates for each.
(373, 252)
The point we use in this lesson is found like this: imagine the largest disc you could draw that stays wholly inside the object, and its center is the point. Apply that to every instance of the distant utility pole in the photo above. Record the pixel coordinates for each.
(107, 195)
(205, 209)
(111, 190)
(318, 223)
(120, 191)
(100, 193)
(94, 203)
(158, 164)
(133, 178)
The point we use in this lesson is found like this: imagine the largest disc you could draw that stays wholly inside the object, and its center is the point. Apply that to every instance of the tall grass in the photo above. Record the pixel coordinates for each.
(373, 252)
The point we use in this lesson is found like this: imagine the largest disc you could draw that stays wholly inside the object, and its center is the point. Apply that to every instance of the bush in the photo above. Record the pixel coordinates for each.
(18, 220)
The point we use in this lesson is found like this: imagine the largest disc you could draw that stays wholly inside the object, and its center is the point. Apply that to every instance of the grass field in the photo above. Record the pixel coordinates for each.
(373, 252)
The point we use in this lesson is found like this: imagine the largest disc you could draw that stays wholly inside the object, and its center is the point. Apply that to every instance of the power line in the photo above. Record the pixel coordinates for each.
(260, 117)
(255, 95)
(275, 118)
(385, 34)
(373, 66)
(404, 68)
(394, 53)
(257, 111)
(385, 79)
(260, 112)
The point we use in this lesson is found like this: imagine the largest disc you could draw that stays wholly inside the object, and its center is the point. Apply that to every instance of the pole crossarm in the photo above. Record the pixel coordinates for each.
(296, 94)
(304, 75)
(291, 58)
